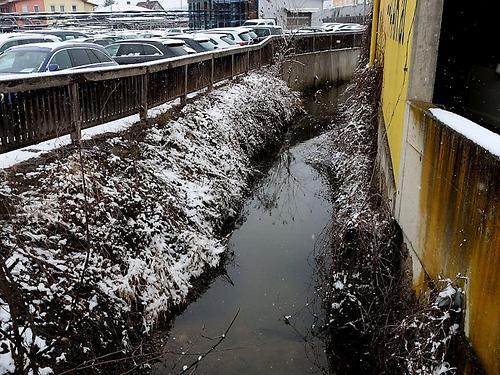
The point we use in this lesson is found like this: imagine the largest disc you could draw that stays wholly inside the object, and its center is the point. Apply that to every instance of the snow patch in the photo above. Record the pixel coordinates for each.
(469, 129)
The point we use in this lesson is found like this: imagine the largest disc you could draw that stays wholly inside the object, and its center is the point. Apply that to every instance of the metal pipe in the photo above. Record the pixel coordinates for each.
(373, 42)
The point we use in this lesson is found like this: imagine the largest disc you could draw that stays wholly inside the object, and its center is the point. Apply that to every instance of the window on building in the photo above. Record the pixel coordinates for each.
(73, 8)
(36, 8)
(61, 8)
(52, 8)
(24, 8)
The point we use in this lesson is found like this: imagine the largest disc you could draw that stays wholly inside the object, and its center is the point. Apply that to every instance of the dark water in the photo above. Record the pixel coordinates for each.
(270, 282)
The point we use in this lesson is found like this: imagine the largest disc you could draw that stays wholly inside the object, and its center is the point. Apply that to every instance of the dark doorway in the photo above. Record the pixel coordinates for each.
(468, 69)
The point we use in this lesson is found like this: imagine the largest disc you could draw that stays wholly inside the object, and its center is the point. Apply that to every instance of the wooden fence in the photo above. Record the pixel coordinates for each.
(47, 106)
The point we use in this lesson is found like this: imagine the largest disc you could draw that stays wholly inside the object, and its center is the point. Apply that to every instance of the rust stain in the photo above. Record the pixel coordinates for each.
(460, 229)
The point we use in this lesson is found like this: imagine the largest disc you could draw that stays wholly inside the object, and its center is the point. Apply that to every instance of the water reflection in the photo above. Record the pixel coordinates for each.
(269, 285)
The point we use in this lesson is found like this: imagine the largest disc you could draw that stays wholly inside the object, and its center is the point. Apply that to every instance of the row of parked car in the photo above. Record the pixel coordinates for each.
(55, 50)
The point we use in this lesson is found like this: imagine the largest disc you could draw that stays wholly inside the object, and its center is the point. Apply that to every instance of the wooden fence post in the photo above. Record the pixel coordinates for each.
(76, 118)
(232, 66)
(184, 96)
(314, 43)
(212, 74)
(144, 97)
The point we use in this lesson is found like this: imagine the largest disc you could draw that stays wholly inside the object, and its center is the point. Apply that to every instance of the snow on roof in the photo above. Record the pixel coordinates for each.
(4, 37)
(469, 129)
(166, 4)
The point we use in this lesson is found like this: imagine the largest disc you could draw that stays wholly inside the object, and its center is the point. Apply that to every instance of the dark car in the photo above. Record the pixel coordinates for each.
(100, 41)
(11, 40)
(137, 51)
(198, 43)
(62, 34)
(263, 32)
(36, 58)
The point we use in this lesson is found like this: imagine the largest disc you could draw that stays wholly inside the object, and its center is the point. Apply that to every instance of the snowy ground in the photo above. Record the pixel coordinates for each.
(96, 248)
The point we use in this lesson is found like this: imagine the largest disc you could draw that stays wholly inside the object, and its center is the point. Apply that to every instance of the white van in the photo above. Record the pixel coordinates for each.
(260, 22)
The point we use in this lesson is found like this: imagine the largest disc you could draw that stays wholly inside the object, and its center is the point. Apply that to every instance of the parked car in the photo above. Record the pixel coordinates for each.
(240, 35)
(42, 57)
(221, 41)
(178, 30)
(62, 34)
(260, 22)
(100, 41)
(198, 42)
(263, 32)
(16, 39)
(345, 28)
(143, 50)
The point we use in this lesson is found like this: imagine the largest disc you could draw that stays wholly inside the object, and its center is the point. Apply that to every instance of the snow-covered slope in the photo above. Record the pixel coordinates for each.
(98, 262)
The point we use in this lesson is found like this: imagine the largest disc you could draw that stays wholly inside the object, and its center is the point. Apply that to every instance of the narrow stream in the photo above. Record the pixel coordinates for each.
(269, 284)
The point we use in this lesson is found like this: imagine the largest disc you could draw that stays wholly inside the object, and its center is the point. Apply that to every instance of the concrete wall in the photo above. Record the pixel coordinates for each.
(311, 69)
(448, 207)
(442, 188)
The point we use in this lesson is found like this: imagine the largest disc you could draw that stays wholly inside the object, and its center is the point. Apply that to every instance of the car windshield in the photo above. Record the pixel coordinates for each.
(180, 50)
(245, 36)
(252, 35)
(262, 32)
(21, 61)
(228, 40)
(207, 45)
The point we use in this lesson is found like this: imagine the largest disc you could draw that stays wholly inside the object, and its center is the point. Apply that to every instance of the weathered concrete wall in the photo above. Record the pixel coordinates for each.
(442, 189)
(448, 208)
(311, 69)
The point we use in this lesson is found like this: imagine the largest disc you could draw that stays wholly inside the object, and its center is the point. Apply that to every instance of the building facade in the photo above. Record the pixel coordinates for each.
(40, 6)
(22, 6)
(206, 14)
(68, 6)
(292, 14)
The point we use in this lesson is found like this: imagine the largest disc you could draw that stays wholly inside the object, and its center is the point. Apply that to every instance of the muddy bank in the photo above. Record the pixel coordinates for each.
(98, 243)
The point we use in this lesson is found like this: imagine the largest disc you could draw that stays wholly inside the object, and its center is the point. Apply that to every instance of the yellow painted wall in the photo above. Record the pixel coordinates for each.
(81, 6)
(460, 229)
(394, 42)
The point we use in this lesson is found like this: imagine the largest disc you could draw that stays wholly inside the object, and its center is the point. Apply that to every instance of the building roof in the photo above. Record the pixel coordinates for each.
(150, 4)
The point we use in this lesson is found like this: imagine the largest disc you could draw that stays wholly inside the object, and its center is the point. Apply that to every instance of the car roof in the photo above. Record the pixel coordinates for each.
(56, 46)
(18, 36)
(163, 41)
(198, 37)
(237, 29)
(59, 31)
(171, 41)
(140, 40)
